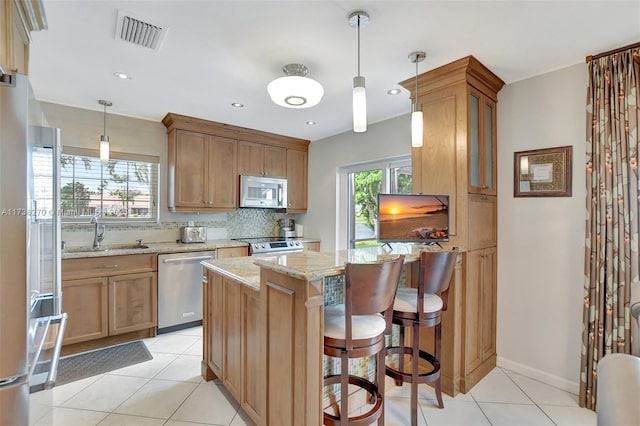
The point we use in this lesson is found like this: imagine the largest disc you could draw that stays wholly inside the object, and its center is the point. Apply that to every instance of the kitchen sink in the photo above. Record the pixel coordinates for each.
(105, 248)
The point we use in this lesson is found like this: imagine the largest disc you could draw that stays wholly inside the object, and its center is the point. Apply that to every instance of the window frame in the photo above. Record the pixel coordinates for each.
(154, 192)
(345, 209)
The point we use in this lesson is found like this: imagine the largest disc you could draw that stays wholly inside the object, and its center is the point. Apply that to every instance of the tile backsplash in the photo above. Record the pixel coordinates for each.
(239, 224)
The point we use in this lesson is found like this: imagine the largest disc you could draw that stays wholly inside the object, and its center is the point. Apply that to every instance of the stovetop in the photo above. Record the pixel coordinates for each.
(271, 245)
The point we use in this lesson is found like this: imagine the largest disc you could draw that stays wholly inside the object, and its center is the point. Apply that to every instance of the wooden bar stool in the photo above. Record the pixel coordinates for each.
(356, 329)
(436, 269)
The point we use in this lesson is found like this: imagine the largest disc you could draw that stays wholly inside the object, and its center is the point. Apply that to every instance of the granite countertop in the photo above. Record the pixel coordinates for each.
(159, 248)
(306, 265)
(241, 269)
(311, 266)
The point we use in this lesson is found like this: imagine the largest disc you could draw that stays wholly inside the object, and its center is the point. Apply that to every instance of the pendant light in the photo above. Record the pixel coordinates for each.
(296, 90)
(357, 20)
(417, 122)
(104, 139)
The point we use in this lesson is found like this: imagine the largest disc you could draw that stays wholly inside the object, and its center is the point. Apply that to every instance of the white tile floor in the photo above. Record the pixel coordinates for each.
(169, 391)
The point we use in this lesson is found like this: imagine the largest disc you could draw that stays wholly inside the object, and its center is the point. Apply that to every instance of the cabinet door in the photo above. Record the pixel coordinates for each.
(215, 312)
(473, 312)
(14, 39)
(254, 356)
(223, 176)
(191, 170)
(482, 143)
(85, 302)
(275, 161)
(232, 323)
(483, 221)
(250, 158)
(311, 246)
(488, 310)
(227, 252)
(133, 302)
(296, 181)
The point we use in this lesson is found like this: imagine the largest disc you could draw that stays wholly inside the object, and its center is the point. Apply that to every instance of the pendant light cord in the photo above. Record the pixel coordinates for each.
(416, 80)
(358, 45)
(104, 129)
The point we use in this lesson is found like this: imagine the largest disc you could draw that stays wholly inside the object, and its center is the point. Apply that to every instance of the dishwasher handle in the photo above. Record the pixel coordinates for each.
(187, 259)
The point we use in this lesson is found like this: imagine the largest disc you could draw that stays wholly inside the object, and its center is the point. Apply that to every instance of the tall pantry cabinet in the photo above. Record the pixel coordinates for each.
(458, 158)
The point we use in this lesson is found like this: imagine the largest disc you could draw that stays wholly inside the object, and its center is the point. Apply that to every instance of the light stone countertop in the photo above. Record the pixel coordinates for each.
(160, 248)
(306, 265)
(240, 269)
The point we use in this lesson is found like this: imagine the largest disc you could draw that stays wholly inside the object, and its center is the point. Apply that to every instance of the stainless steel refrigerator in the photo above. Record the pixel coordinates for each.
(31, 318)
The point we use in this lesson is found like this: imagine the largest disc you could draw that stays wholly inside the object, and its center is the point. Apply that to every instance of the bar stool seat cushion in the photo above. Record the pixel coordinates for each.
(363, 326)
(407, 301)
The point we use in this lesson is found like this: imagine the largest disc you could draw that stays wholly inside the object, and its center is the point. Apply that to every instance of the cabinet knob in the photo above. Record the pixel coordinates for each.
(210, 202)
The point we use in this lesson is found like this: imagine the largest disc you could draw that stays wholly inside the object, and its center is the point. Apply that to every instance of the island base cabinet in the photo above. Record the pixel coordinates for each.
(234, 347)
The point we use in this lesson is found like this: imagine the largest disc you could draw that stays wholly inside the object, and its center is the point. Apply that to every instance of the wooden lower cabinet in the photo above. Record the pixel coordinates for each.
(234, 347)
(109, 296)
(232, 324)
(480, 316)
(85, 302)
(227, 252)
(132, 302)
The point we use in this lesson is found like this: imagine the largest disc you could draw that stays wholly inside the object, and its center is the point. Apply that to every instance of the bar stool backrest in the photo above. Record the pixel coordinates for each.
(371, 289)
(436, 270)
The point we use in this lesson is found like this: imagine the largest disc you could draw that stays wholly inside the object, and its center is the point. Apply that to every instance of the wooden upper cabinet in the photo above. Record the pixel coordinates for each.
(297, 169)
(256, 159)
(482, 143)
(202, 171)
(205, 160)
(17, 20)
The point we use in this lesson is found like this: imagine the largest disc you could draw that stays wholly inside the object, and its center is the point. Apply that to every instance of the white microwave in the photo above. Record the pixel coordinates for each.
(263, 192)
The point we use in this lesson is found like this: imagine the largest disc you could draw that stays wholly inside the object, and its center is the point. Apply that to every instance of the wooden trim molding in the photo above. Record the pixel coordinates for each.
(177, 121)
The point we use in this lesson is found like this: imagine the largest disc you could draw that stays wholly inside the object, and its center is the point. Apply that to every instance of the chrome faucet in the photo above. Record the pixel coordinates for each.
(97, 236)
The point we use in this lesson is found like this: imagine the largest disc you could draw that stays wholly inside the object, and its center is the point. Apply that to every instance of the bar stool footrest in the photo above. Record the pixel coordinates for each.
(364, 419)
(401, 376)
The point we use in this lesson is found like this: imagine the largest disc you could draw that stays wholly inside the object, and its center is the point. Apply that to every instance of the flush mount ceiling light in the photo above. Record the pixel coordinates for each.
(104, 139)
(417, 122)
(393, 91)
(295, 90)
(357, 20)
(122, 75)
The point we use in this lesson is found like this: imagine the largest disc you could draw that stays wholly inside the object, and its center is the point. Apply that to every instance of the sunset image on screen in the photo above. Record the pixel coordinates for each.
(413, 217)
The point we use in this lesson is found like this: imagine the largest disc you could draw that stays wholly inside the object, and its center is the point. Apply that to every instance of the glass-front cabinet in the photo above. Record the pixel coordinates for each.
(482, 143)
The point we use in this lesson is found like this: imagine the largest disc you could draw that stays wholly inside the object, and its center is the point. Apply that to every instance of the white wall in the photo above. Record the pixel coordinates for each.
(541, 240)
(389, 138)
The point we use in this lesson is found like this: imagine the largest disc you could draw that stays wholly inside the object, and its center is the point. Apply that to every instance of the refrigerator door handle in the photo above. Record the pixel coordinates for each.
(55, 357)
(10, 382)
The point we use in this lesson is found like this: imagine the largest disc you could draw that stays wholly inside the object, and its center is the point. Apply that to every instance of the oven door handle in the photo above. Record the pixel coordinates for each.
(187, 259)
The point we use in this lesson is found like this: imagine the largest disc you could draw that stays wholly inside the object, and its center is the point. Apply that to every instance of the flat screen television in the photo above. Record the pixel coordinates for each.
(404, 218)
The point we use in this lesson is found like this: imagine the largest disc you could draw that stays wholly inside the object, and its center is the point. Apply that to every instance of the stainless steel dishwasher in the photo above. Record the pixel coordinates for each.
(180, 290)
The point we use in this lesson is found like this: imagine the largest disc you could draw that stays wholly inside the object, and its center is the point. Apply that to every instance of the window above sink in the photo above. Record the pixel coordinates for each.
(123, 190)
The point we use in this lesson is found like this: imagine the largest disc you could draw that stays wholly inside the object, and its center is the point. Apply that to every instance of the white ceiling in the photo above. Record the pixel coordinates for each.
(219, 52)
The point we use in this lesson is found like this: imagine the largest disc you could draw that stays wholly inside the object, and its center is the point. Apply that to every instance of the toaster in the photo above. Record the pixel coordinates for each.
(193, 234)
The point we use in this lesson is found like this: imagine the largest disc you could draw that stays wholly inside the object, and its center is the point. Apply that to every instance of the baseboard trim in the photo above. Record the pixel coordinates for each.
(542, 376)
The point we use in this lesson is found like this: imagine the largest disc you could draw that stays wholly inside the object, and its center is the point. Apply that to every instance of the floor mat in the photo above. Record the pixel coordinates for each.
(80, 366)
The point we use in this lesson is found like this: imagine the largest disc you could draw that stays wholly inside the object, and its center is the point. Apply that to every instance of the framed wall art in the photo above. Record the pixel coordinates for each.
(543, 172)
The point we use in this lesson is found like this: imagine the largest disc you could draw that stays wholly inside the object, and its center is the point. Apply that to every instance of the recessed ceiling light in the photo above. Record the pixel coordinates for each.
(237, 105)
(122, 76)
(311, 123)
(393, 91)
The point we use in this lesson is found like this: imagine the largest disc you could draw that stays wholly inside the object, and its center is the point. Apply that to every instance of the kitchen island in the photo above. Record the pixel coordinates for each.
(263, 329)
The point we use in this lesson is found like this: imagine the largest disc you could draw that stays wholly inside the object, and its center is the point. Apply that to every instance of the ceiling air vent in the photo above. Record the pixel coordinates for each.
(132, 29)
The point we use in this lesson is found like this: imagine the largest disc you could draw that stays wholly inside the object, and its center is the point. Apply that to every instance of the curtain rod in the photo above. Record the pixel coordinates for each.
(611, 52)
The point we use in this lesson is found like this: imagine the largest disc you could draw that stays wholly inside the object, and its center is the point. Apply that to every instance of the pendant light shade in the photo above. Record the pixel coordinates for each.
(295, 90)
(417, 118)
(357, 20)
(104, 139)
